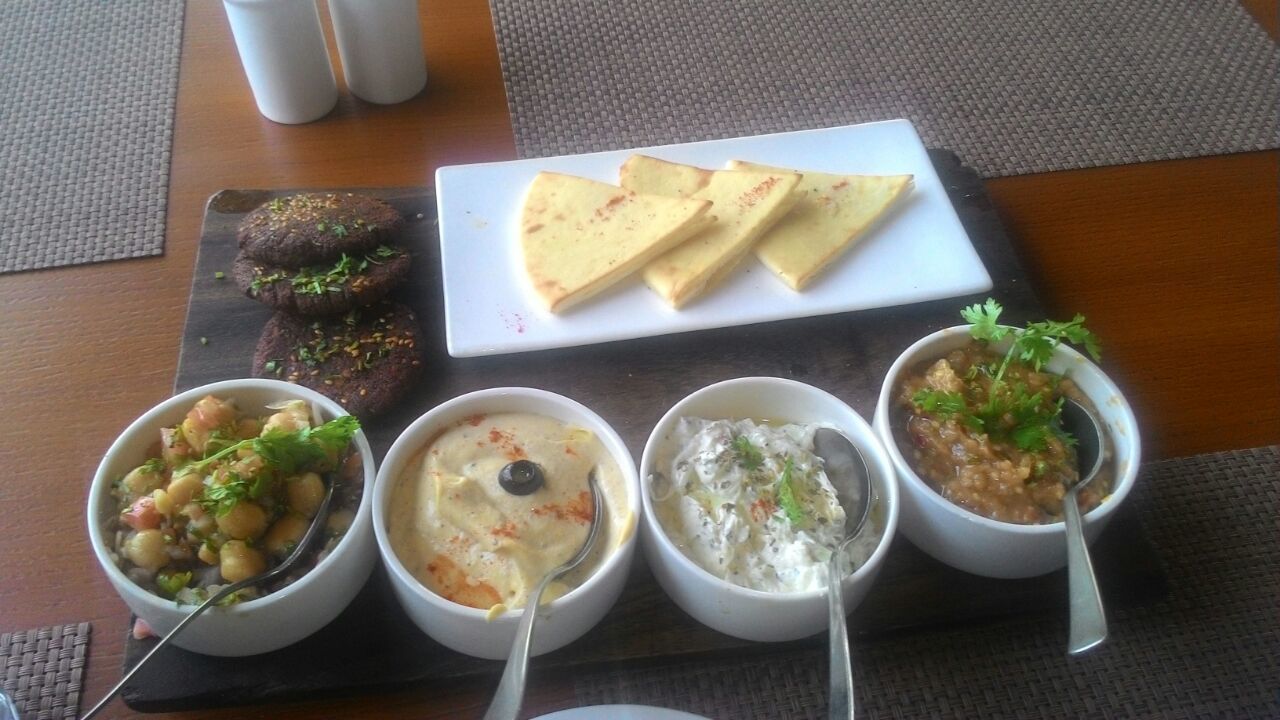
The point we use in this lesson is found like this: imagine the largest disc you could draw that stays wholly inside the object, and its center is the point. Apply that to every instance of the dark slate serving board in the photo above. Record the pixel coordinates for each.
(374, 646)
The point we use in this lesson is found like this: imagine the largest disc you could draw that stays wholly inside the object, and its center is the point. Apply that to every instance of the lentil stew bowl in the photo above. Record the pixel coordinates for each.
(963, 531)
(285, 614)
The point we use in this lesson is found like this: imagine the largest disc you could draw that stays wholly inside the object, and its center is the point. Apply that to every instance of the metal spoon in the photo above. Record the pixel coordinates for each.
(848, 474)
(298, 552)
(1088, 619)
(509, 696)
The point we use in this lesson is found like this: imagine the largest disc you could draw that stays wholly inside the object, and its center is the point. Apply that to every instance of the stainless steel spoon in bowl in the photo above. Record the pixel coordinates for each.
(1088, 627)
(847, 471)
(509, 696)
(298, 553)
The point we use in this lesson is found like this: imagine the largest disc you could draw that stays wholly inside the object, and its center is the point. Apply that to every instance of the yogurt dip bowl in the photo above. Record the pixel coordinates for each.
(488, 632)
(993, 548)
(253, 626)
(731, 608)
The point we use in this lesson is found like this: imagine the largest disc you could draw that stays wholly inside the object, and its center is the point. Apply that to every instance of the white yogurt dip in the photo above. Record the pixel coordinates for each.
(749, 502)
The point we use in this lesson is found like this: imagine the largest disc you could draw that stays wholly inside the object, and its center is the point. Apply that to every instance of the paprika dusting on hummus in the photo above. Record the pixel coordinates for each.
(485, 543)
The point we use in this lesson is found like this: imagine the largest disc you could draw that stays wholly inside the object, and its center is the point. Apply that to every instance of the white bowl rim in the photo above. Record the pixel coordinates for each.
(101, 482)
(889, 493)
(384, 485)
(1109, 503)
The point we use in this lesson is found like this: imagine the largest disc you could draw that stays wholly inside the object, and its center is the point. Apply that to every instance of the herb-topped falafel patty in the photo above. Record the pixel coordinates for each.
(315, 228)
(327, 289)
(365, 360)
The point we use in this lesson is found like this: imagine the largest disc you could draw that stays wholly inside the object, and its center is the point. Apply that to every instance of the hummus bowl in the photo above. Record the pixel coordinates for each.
(733, 607)
(993, 548)
(253, 626)
(463, 546)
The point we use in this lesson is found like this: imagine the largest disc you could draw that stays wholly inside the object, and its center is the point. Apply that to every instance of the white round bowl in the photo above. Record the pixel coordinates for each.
(732, 609)
(469, 630)
(993, 548)
(255, 626)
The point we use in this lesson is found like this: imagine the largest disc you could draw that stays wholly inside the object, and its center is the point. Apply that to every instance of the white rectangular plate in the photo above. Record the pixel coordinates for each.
(919, 252)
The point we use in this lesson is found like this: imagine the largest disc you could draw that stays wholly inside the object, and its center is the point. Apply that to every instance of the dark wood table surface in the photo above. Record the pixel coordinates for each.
(1176, 264)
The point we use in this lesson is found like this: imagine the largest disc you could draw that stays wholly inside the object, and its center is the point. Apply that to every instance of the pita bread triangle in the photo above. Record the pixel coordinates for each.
(835, 211)
(579, 236)
(746, 204)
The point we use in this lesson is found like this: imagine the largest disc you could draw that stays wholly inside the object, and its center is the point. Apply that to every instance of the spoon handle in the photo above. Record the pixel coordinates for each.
(1088, 619)
(840, 702)
(509, 696)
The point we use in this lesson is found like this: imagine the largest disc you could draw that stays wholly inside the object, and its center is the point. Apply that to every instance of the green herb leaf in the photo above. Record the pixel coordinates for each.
(219, 275)
(286, 452)
(984, 319)
(220, 499)
(939, 401)
(154, 466)
(171, 582)
(787, 495)
(747, 455)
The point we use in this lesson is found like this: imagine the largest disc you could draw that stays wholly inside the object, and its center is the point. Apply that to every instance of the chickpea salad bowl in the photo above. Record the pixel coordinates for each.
(218, 484)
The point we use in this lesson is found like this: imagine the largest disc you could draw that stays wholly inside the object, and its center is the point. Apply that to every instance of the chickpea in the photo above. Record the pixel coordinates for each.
(146, 549)
(294, 416)
(248, 428)
(164, 503)
(246, 519)
(207, 554)
(238, 561)
(142, 480)
(208, 415)
(305, 493)
(285, 534)
(184, 487)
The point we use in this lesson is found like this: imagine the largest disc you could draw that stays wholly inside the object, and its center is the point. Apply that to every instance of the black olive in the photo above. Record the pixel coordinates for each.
(521, 477)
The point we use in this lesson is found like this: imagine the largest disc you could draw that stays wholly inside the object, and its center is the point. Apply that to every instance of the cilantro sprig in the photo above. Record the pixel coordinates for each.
(1009, 410)
(284, 453)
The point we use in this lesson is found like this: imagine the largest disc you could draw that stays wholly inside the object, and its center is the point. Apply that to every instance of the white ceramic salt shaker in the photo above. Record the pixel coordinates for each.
(380, 44)
(284, 56)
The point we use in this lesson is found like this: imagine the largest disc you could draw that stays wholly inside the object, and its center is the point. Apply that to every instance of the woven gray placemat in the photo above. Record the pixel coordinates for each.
(87, 97)
(1013, 86)
(43, 670)
(1209, 649)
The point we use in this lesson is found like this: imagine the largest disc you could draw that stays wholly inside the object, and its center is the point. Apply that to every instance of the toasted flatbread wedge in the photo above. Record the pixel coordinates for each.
(745, 205)
(835, 211)
(579, 236)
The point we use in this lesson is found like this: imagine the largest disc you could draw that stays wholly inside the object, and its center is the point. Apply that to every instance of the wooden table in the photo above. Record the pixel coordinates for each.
(1176, 264)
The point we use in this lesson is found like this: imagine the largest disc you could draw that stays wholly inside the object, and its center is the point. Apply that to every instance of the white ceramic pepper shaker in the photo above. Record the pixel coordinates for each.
(283, 52)
(380, 44)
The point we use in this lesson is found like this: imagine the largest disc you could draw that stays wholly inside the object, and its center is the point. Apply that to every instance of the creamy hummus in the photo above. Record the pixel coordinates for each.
(467, 539)
(750, 503)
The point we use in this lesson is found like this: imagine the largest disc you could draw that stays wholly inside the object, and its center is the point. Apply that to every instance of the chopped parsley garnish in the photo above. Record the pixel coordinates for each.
(320, 279)
(1011, 411)
(939, 401)
(219, 499)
